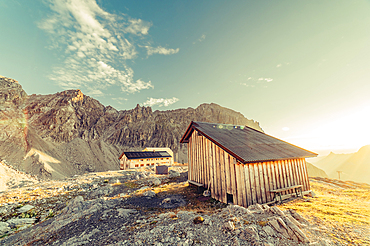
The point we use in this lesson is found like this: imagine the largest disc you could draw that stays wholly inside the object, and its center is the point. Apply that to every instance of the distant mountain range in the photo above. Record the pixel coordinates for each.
(355, 166)
(68, 133)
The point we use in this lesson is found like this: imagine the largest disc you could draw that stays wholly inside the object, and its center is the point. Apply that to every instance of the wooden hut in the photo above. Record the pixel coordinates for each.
(242, 165)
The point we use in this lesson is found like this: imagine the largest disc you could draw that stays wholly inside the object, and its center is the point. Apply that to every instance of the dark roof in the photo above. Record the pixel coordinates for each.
(246, 144)
(145, 154)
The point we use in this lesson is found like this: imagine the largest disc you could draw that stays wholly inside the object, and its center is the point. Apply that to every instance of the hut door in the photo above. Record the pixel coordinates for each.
(229, 198)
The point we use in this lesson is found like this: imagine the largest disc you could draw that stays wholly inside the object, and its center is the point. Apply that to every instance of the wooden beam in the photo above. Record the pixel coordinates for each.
(234, 180)
(308, 179)
(258, 185)
(262, 183)
(227, 173)
(239, 184)
(247, 185)
(189, 160)
(253, 183)
(223, 176)
(267, 184)
(287, 174)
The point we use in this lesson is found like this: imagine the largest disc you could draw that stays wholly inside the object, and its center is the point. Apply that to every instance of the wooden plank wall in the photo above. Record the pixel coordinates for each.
(247, 183)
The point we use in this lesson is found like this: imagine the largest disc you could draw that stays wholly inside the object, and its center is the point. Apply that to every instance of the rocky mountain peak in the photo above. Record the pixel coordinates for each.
(11, 91)
(73, 133)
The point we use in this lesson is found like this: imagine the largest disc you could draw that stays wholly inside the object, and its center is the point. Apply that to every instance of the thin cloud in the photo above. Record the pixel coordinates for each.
(160, 50)
(265, 79)
(248, 85)
(138, 26)
(119, 100)
(252, 82)
(95, 92)
(160, 102)
(201, 39)
(96, 46)
(281, 64)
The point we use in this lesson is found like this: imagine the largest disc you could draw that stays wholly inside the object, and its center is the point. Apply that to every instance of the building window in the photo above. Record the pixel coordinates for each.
(136, 165)
(141, 160)
(152, 164)
(141, 165)
(147, 164)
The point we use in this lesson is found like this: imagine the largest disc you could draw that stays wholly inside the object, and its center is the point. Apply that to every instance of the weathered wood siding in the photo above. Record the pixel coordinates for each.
(247, 183)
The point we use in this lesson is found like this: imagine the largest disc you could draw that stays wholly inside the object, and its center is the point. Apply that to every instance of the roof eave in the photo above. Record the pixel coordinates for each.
(185, 137)
(278, 159)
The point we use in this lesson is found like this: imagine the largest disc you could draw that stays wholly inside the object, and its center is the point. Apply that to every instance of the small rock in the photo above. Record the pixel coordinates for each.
(4, 228)
(122, 194)
(144, 188)
(311, 194)
(269, 231)
(256, 208)
(198, 220)
(250, 234)
(25, 208)
(125, 212)
(229, 226)
(207, 222)
(149, 194)
(167, 215)
(173, 174)
(155, 181)
(17, 222)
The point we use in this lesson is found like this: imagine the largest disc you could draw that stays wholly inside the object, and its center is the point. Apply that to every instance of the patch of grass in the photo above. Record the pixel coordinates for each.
(131, 185)
(262, 223)
(335, 205)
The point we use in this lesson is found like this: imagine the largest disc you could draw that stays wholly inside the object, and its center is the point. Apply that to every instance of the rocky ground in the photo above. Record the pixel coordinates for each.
(141, 208)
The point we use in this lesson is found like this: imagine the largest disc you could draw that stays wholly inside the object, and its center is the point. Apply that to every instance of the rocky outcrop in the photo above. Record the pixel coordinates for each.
(70, 133)
(11, 91)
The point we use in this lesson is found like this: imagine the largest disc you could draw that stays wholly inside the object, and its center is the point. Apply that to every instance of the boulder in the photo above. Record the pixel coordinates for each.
(149, 194)
(173, 174)
(25, 208)
(4, 228)
(154, 181)
(18, 222)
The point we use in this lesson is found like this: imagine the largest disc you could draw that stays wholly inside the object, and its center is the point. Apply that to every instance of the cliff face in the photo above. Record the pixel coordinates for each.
(70, 133)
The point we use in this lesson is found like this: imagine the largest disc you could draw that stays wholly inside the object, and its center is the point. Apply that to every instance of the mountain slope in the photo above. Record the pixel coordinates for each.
(68, 133)
(314, 171)
(357, 167)
(331, 162)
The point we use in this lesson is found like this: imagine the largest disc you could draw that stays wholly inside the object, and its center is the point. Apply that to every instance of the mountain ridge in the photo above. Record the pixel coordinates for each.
(67, 133)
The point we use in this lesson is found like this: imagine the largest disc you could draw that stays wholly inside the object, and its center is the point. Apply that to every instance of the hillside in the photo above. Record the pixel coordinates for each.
(67, 133)
(331, 162)
(314, 171)
(355, 166)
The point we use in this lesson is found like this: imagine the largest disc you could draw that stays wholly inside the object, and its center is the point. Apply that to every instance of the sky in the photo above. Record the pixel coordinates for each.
(299, 68)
